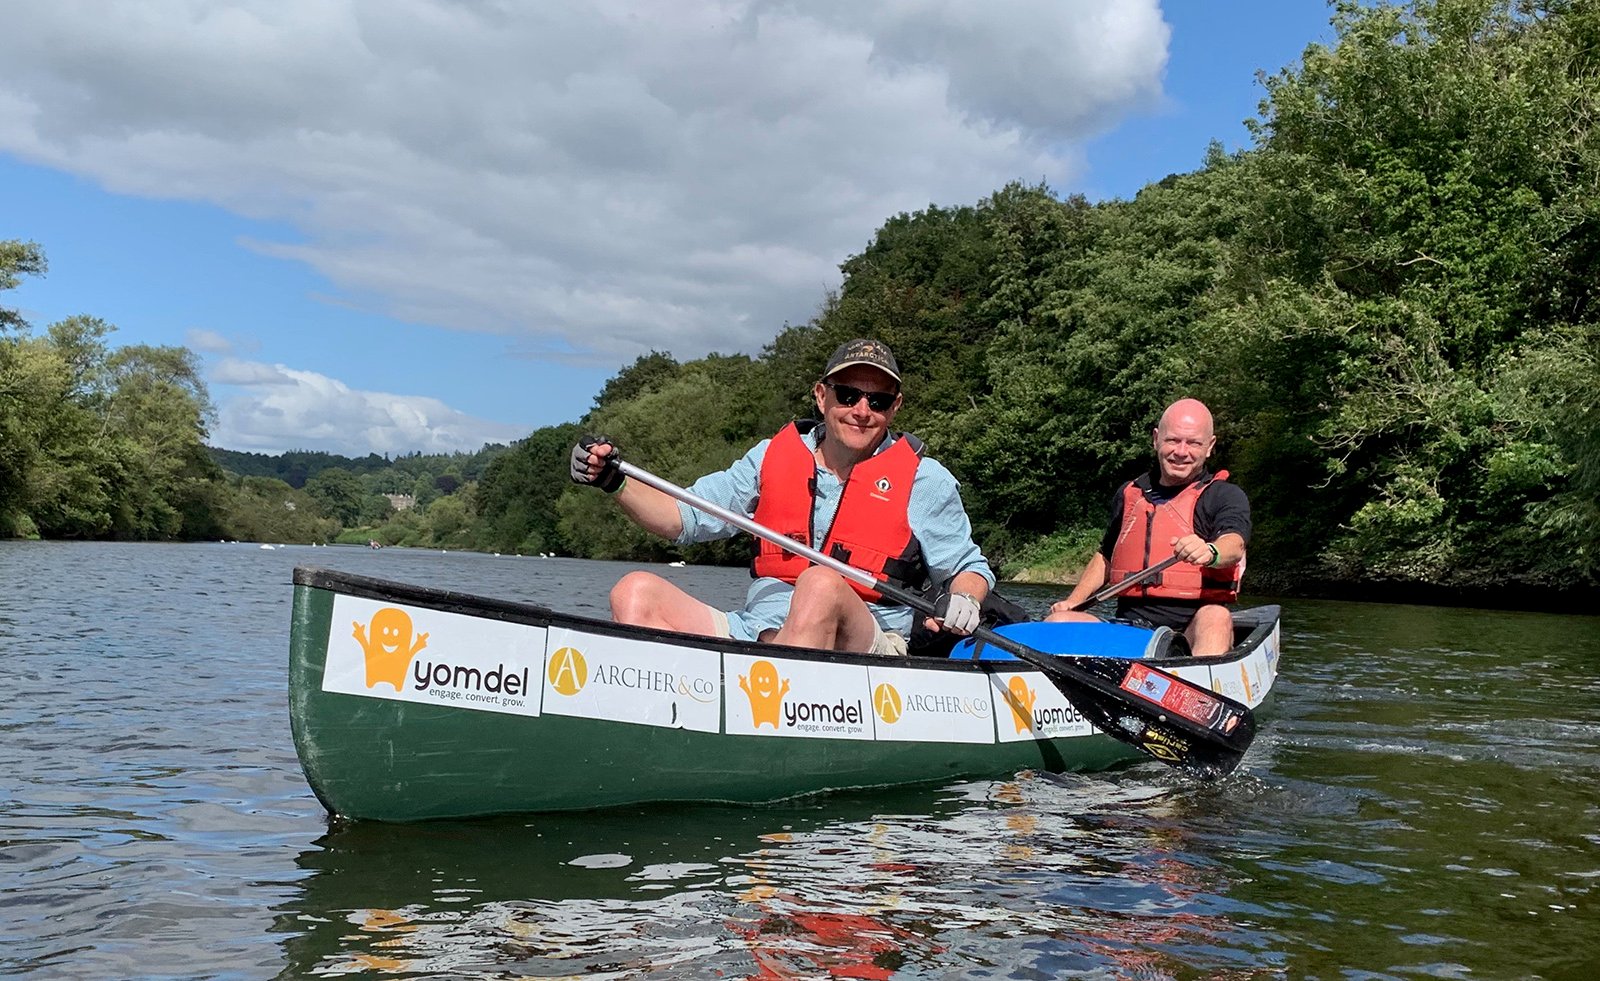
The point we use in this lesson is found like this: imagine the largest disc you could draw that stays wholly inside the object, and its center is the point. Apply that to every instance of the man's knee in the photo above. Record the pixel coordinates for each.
(633, 593)
(1072, 616)
(817, 584)
(1211, 630)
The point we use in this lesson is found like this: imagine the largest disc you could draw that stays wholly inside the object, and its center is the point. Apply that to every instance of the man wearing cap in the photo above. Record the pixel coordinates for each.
(846, 486)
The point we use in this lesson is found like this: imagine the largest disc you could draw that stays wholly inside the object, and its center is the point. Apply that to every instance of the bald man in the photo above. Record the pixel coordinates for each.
(1178, 508)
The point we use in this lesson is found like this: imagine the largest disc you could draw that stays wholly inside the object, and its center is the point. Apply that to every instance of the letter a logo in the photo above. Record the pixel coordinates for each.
(886, 702)
(568, 671)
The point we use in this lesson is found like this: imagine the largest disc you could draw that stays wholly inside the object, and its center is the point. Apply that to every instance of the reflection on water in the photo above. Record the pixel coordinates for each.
(850, 886)
(1423, 802)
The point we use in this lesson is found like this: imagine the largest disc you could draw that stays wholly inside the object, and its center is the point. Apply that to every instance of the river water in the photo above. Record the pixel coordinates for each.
(1423, 801)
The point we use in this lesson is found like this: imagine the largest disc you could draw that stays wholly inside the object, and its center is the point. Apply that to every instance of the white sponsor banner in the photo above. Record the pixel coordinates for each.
(1233, 680)
(593, 676)
(932, 706)
(771, 696)
(1028, 705)
(1242, 680)
(413, 654)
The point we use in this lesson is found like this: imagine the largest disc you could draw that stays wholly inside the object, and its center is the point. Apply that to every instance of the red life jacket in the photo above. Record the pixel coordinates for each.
(1145, 539)
(871, 530)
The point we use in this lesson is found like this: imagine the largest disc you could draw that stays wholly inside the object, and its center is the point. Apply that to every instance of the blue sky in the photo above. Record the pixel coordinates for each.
(412, 226)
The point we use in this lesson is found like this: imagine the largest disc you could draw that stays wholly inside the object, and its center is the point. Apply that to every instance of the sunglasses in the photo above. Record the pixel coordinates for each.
(849, 395)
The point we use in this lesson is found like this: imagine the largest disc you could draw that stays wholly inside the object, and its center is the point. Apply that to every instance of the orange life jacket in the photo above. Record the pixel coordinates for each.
(871, 530)
(1145, 539)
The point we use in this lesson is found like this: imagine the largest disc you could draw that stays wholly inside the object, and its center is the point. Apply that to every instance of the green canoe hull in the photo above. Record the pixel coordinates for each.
(501, 707)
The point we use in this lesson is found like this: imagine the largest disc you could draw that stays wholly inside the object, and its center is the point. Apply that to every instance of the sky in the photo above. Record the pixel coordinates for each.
(396, 226)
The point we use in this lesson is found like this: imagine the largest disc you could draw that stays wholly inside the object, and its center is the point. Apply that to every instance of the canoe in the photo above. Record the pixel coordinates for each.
(409, 703)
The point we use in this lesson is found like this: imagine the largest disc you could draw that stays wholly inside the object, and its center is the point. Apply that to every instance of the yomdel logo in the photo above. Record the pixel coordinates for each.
(390, 649)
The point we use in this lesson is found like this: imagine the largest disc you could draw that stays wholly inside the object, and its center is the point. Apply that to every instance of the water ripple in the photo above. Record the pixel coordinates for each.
(1420, 802)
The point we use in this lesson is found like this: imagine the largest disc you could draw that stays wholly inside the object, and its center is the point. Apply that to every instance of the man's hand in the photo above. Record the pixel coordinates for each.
(958, 612)
(1062, 607)
(1194, 550)
(594, 462)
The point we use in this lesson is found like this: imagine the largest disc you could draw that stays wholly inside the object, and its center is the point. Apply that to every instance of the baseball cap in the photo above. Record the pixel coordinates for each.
(874, 354)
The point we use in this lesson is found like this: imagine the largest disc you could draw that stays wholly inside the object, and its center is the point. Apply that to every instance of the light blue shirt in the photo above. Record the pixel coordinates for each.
(938, 522)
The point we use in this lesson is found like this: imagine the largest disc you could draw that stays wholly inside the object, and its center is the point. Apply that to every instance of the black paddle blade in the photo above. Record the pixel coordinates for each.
(1176, 721)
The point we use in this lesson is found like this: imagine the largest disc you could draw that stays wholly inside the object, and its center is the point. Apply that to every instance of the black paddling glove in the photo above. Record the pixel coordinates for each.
(609, 479)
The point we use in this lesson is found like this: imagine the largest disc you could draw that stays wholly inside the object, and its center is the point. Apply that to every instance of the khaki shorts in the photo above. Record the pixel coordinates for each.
(884, 642)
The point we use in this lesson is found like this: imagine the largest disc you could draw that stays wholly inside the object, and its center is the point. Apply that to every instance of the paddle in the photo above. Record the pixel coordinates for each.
(1200, 732)
(1126, 584)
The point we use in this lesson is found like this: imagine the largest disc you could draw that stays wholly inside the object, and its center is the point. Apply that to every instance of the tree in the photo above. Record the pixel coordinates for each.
(647, 372)
(17, 259)
(340, 494)
(155, 417)
(516, 499)
(1427, 205)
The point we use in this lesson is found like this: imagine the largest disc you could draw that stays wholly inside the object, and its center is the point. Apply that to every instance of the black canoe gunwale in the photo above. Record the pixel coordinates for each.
(1261, 621)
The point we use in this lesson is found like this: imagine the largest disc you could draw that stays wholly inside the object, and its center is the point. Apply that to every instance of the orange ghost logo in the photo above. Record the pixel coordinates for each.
(1020, 697)
(765, 693)
(390, 650)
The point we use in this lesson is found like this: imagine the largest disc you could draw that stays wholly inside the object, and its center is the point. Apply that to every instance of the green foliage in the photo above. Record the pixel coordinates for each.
(383, 475)
(1055, 557)
(450, 522)
(102, 443)
(516, 500)
(264, 509)
(1425, 202)
(340, 494)
(17, 259)
(648, 372)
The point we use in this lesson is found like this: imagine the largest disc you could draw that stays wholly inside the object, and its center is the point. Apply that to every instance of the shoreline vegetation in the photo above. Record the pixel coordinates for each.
(1389, 302)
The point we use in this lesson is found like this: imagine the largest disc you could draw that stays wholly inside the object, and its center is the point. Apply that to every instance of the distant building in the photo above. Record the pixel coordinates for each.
(402, 502)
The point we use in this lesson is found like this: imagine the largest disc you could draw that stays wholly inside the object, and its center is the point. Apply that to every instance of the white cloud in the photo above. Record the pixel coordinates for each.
(282, 409)
(595, 174)
(207, 341)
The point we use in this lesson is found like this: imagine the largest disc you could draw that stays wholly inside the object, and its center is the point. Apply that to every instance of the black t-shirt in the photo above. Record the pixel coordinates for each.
(1223, 507)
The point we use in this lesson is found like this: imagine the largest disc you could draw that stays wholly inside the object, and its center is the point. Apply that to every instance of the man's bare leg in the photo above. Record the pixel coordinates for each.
(1211, 631)
(644, 599)
(1071, 616)
(827, 613)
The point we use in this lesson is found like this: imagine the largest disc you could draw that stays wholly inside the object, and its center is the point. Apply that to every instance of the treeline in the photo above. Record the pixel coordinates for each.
(98, 442)
(1388, 302)
(396, 475)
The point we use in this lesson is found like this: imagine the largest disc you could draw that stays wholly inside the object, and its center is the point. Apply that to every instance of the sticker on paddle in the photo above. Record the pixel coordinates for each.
(1178, 697)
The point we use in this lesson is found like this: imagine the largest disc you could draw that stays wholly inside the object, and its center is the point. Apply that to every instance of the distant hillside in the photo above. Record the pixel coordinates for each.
(295, 467)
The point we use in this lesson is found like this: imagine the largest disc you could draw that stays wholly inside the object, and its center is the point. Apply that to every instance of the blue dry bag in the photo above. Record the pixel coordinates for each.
(1097, 639)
